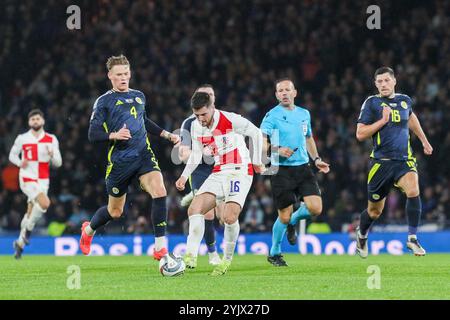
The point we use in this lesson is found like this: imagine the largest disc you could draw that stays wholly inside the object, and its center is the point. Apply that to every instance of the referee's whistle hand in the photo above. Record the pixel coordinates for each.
(285, 152)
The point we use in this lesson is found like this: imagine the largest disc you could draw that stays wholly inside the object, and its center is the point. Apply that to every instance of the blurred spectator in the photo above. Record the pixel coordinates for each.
(10, 178)
(77, 218)
(254, 216)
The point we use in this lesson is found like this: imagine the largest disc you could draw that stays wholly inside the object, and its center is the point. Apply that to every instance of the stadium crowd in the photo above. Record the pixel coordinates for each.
(240, 47)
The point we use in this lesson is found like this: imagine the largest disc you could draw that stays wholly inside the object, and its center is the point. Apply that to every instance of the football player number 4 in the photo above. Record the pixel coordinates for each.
(234, 186)
(133, 112)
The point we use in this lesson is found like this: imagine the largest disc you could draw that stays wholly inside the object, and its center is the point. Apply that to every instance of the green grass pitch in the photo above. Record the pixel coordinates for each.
(250, 277)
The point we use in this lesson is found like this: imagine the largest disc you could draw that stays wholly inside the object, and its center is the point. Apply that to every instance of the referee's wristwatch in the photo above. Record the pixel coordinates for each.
(317, 158)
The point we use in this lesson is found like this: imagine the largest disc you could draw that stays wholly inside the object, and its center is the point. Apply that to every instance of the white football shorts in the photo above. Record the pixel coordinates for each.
(32, 188)
(228, 186)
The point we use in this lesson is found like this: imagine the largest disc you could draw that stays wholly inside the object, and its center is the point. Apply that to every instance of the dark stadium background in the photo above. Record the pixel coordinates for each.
(240, 47)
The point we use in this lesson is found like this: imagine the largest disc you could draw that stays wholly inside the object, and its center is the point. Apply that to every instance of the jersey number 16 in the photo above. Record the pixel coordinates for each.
(395, 115)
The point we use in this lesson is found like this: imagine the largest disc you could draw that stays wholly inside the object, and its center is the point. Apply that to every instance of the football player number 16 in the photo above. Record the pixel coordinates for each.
(234, 186)
(395, 114)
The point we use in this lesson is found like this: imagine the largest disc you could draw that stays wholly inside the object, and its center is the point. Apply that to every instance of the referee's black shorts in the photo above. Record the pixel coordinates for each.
(292, 183)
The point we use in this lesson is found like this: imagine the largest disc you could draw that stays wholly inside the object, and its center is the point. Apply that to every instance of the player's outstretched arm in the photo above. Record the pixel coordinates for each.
(414, 125)
(156, 130)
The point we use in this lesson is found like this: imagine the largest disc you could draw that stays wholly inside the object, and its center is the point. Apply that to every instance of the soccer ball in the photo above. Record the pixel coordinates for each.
(171, 265)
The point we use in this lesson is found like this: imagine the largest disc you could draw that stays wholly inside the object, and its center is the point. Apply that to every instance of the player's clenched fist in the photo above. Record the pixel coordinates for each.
(427, 148)
(386, 114)
(122, 134)
(259, 169)
(181, 182)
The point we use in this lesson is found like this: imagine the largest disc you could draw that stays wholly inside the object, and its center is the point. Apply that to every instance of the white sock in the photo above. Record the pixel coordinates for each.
(159, 243)
(231, 234)
(196, 231)
(412, 236)
(20, 242)
(362, 236)
(23, 230)
(24, 222)
(36, 213)
(21, 239)
(89, 231)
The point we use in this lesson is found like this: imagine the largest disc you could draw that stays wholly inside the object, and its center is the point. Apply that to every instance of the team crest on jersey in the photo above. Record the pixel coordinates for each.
(115, 190)
(138, 100)
(376, 197)
(404, 105)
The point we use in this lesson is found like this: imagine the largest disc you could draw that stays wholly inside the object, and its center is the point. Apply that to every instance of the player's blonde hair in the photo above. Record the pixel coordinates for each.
(116, 60)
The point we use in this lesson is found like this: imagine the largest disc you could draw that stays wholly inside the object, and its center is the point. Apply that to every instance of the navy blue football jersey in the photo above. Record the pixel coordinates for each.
(392, 140)
(115, 109)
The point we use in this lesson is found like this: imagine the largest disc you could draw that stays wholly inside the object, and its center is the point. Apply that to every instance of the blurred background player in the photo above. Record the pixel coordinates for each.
(223, 134)
(197, 178)
(289, 129)
(387, 118)
(38, 150)
(119, 117)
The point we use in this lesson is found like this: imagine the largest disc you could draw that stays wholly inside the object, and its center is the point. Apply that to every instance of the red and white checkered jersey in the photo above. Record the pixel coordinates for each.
(36, 151)
(225, 141)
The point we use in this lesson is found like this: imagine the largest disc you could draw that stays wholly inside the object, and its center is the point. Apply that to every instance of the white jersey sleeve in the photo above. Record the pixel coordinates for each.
(246, 128)
(195, 158)
(56, 161)
(14, 154)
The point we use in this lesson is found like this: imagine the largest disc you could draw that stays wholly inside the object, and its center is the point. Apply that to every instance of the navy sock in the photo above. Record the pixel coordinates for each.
(365, 222)
(100, 218)
(210, 235)
(159, 216)
(413, 212)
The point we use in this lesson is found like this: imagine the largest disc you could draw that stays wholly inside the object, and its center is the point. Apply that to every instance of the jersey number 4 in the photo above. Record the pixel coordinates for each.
(133, 112)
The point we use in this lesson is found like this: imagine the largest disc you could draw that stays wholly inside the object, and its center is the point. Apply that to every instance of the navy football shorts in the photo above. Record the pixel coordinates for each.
(120, 173)
(384, 174)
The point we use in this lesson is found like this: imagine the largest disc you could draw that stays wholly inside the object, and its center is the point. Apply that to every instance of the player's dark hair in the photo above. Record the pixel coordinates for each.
(281, 80)
(116, 60)
(35, 112)
(204, 85)
(200, 100)
(384, 70)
